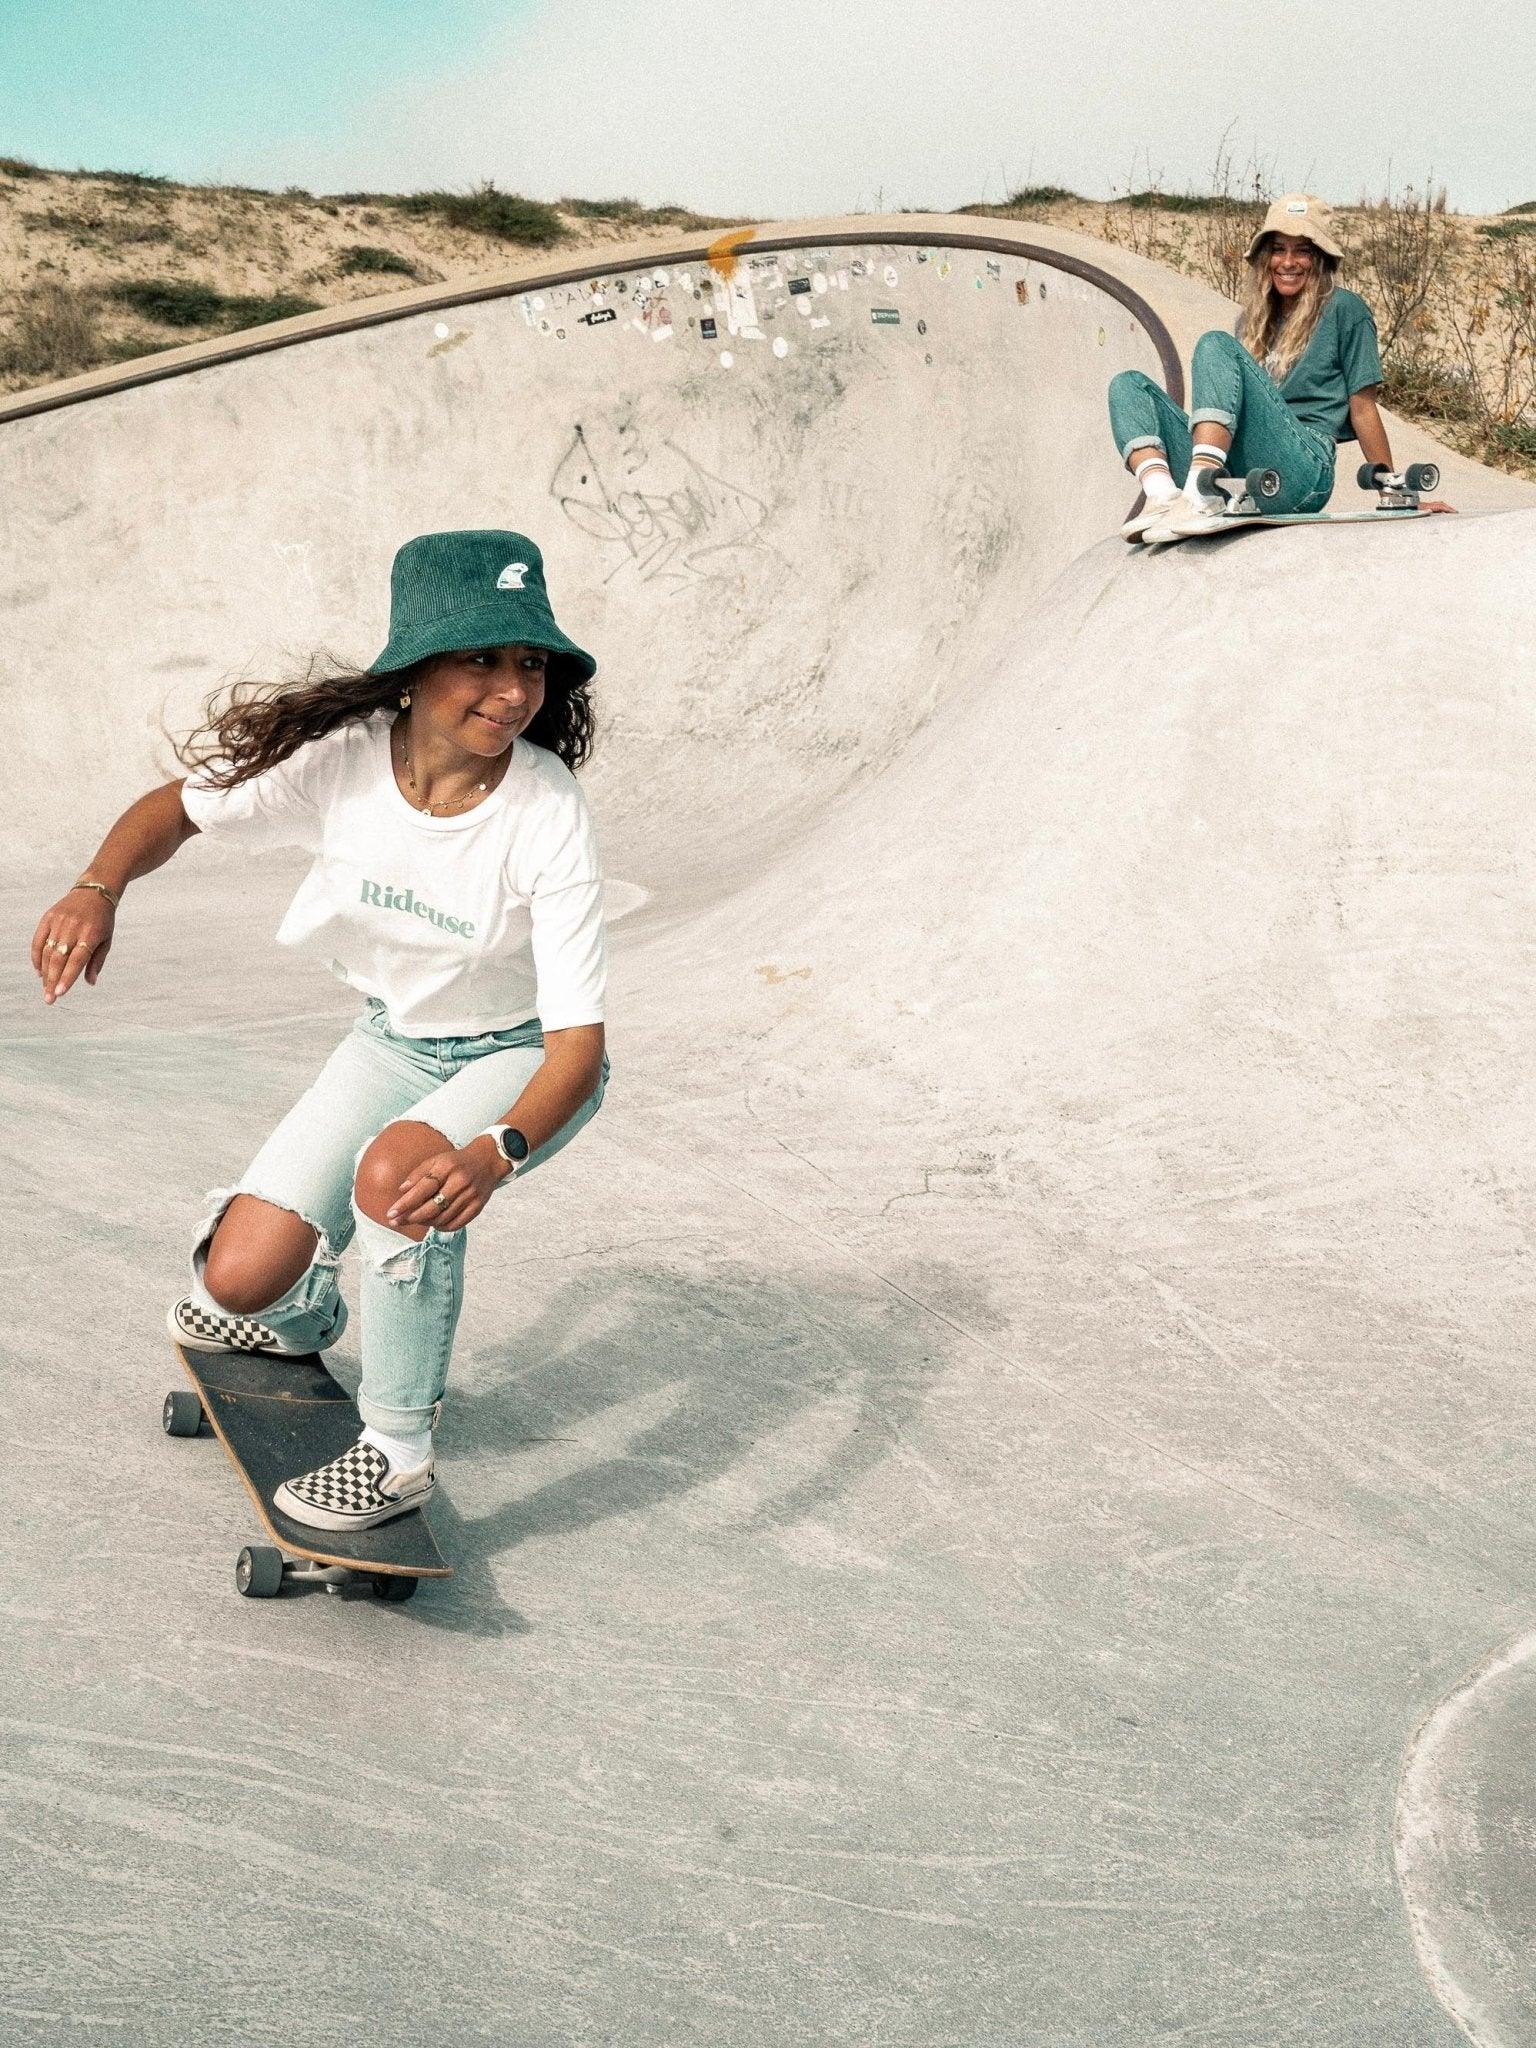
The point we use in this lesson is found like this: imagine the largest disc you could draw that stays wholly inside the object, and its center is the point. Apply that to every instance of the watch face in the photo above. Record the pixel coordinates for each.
(514, 1145)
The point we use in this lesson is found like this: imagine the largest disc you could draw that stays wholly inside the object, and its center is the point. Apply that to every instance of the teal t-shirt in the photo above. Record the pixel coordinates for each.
(1339, 360)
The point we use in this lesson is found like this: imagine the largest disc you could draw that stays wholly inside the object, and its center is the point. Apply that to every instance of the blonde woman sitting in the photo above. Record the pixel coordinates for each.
(1300, 376)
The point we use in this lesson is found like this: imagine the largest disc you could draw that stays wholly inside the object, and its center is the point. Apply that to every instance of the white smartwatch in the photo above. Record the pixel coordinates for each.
(510, 1143)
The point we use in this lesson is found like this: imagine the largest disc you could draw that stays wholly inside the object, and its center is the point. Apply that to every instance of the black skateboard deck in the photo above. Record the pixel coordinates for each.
(276, 1418)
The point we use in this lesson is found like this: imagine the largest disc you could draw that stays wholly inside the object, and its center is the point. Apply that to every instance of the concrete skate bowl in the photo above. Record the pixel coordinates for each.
(787, 537)
(969, 1477)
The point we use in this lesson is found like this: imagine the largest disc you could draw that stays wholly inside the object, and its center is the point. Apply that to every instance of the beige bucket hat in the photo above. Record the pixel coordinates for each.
(1298, 213)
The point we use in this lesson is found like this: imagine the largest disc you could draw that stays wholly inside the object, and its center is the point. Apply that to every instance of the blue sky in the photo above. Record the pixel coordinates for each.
(778, 107)
(200, 89)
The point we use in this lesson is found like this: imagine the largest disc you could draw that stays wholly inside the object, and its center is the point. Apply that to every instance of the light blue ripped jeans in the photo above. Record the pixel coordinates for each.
(411, 1292)
(1231, 390)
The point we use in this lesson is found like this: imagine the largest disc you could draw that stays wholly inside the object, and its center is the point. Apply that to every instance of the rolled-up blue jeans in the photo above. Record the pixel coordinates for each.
(411, 1291)
(1229, 389)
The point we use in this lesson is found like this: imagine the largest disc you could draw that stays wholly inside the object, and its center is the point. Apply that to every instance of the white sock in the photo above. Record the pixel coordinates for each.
(404, 1453)
(1156, 480)
(1203, 452)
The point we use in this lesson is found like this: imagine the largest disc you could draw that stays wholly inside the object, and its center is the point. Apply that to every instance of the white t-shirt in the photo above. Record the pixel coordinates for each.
(458, 924)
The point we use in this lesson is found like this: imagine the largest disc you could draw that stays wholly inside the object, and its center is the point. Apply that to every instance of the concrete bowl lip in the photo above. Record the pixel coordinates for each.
(1423, 1823)
(902, 230)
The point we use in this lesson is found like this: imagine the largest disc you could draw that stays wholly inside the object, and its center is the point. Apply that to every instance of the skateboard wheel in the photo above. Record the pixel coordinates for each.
(394, 1586)
(1370, 476)
(182, 1414)
(1264, 483)
(1422, 476)
(259, 1571)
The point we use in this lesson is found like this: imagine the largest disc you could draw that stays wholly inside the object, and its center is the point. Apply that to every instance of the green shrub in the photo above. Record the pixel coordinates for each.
(53, 334)
(133, 180)
(256, 312)
(1427, 391)
(1192, 202)
(171, 301)
(174, 302)
(1525, 206)
(504, 216)
(1506, 230)
(1039, 195)
(632, 214)
(1516, 438)
(602, 209)
(18, 167)
(364, 256)
(98, 227)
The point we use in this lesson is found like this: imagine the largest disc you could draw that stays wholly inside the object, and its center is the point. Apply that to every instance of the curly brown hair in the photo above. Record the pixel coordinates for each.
(263, 723)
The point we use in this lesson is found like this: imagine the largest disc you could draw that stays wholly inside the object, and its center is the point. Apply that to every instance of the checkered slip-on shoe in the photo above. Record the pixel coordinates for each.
(355, 1491)
(189, 1324)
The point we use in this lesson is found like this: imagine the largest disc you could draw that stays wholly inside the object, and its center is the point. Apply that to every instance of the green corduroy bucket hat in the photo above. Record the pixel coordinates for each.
(474, 589)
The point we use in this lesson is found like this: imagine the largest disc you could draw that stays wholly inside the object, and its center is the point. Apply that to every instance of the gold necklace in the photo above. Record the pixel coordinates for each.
(405, 748)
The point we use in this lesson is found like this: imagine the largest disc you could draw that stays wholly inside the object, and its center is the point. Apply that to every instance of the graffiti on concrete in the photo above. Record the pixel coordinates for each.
(660, 512)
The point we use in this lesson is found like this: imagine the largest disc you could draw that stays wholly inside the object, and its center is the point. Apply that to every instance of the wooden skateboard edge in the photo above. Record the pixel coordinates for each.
(441, 1570)
(1232, 521)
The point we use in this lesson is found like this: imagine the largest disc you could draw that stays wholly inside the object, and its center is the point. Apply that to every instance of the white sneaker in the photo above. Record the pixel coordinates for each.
(1153, 513)
(355, 1491)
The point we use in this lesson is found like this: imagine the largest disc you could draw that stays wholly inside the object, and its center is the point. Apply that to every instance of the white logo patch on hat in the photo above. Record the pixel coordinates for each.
(1297, 206)
(511, 578)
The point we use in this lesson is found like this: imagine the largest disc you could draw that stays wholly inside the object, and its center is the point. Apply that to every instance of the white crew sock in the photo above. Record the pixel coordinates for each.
(1204, 454)
(1156, 480)
(404, 1453)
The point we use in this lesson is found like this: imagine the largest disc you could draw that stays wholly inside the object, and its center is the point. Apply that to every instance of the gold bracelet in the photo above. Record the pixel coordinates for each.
(84, 884)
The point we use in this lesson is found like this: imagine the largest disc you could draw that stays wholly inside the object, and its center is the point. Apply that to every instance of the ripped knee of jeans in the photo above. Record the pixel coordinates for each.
(391, 1254)
(219, 1199)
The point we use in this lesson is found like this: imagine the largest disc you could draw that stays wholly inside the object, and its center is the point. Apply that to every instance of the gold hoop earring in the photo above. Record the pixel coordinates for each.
(405, 700)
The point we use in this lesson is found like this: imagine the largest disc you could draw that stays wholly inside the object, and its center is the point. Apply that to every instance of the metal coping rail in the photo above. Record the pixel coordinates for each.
(258, 343)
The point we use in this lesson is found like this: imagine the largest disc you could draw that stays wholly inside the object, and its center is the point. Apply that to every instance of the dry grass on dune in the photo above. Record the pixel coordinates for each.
(101, 267)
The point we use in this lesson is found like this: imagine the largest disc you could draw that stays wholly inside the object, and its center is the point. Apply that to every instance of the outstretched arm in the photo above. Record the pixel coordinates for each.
(74, 935)
(1370, 429)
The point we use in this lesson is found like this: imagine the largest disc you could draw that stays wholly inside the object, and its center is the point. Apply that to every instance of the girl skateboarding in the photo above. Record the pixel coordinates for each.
(456, 887)
(1301, 375)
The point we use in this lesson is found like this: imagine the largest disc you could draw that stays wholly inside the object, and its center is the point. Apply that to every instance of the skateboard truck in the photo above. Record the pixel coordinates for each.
(261, 1572)
(1398, 492)
(1246, 496)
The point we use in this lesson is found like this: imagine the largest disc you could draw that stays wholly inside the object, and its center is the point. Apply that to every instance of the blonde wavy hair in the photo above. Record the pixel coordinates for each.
(1264, 324)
